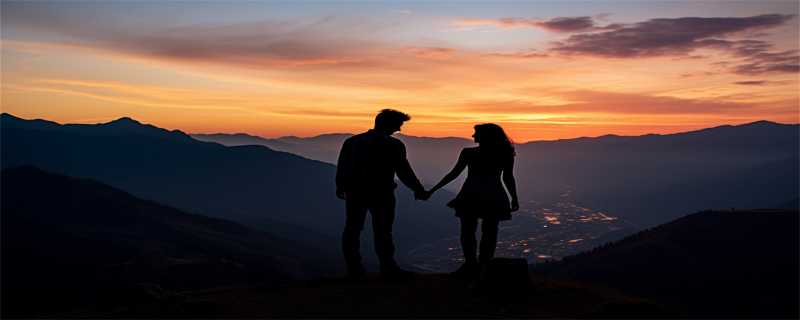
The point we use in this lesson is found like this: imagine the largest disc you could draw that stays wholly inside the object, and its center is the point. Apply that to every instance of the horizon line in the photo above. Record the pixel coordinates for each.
(400, 133)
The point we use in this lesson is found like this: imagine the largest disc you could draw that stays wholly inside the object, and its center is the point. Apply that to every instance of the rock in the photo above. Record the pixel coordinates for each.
(189, 307)
(125, 294)
(199, 306)
(503, 275)
(633, 310)
(319, 280)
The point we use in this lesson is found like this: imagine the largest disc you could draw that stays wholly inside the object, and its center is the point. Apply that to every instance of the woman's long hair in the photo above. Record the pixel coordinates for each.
(494, 140)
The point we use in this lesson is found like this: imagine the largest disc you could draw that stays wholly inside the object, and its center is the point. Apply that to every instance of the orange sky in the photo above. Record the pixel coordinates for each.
(542, 70)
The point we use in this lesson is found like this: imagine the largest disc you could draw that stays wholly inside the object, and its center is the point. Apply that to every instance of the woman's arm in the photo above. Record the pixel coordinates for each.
(460, 165)
(511, 184)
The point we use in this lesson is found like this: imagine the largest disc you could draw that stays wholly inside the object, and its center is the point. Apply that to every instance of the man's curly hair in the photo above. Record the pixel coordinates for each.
(391, 116)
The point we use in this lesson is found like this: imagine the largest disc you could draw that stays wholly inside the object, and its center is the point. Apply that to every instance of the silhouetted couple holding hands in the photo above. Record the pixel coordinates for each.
(365, 174)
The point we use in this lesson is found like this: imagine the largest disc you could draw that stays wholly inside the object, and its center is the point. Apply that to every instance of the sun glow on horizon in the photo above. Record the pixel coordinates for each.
(567, 75)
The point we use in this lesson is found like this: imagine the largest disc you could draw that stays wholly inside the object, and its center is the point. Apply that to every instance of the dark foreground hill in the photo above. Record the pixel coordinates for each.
(64, 239)
(429, 296)
(713, 264)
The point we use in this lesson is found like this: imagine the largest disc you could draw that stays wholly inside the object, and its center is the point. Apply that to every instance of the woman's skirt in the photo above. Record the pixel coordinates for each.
(485, 199)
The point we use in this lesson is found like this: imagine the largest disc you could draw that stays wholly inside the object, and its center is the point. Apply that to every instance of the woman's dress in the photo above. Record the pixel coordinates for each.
(482, 195)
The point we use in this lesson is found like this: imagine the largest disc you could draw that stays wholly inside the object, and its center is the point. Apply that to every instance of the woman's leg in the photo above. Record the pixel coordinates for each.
(489, 229)
(469, 245)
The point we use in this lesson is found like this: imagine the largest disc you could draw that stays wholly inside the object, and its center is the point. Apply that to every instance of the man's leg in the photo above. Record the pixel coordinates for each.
(489, 229)
(382, 209)
(356, 209)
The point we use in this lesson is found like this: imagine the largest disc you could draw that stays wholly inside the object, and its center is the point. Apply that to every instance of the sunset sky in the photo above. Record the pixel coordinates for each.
(543, 70)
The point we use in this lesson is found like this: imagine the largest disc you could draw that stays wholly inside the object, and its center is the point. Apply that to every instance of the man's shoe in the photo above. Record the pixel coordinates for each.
(397, 274)
(466, 271)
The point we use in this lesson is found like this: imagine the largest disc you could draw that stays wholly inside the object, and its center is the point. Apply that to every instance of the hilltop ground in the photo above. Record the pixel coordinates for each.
(426, 296)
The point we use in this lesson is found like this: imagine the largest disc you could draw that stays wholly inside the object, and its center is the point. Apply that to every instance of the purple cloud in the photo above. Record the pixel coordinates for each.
(558, 24)
(565, 24)
(666, 37)
(663, 37)
(759, 61)
(680, 38)
(761, 83)
(751, 83)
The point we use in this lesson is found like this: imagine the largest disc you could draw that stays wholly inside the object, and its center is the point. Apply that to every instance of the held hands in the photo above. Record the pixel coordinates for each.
(418, 195)
(422, 195)
(429, 193)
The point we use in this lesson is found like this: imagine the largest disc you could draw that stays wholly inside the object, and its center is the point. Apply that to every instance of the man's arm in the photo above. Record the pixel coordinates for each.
(406, 174)
(340, 173)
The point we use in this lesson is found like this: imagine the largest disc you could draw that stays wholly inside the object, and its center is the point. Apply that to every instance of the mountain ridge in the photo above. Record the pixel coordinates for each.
(293, 137)
(121, 126)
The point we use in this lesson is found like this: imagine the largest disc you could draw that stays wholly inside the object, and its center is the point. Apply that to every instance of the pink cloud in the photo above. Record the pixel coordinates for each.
(266, 44)
(522, 54)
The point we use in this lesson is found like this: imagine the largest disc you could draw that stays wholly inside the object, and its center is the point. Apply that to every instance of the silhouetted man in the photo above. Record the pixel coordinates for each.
(365, 174)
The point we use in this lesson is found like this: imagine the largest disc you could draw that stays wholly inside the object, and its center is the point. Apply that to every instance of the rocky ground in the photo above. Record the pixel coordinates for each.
(426, 296)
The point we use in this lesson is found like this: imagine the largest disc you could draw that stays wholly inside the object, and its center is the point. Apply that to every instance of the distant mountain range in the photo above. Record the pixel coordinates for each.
(650, 172)
(765, 185)
(635, 163)
(243, 139)
(65, 239)
(431, 158)
(712, 264)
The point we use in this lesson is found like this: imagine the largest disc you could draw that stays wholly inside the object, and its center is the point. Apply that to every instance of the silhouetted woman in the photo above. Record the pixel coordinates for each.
(482, 196)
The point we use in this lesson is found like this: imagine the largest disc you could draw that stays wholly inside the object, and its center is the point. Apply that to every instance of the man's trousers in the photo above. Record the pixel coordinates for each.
(381, 206)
